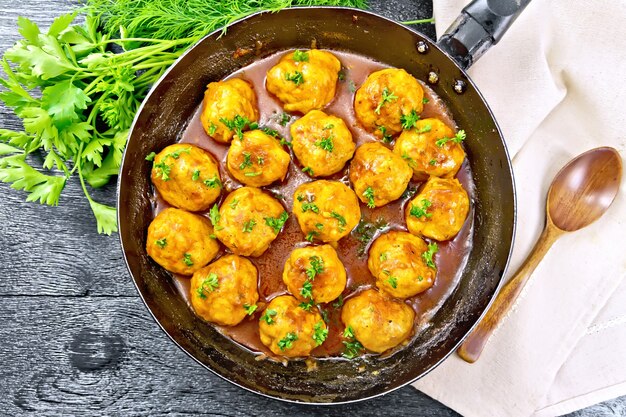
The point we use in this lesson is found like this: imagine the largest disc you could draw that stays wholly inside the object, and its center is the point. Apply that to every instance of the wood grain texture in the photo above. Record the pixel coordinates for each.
(77, 340)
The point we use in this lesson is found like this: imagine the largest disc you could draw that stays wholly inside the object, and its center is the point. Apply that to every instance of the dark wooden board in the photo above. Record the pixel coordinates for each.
(76, 338)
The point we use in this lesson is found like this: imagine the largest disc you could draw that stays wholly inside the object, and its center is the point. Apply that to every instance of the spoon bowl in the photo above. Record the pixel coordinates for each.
(580, 193)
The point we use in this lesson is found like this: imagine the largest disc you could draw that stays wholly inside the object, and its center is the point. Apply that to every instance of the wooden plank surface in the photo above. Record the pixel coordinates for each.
(77, 340)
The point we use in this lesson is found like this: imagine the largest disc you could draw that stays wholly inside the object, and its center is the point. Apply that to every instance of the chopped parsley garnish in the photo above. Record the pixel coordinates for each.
(214, 216)
(248, 226)
(284, 119)
(351, 86)
(260, 160)
(320, 226)
(326, 143)
(238, 124)
(388, 97)
(311, 235)
(316, 268)
(271, 132)
(307, 290)
(458, 138)
(426, 128)
(382, 257)
(369, 194)
(337, 304)
(277, 223)
(428, 255)
(300, 197)
(233, 204)
(420, 209)
(420, 278)
(187, 259)
(365, 232)
(339, 217)
(161, 243)
(267, 316)
(300, 56)
(212, 128)
(297, 78)
(287, 341)
(213, 182)
(307, 305)
(253, 174)
(352, 350)
(393, 281)
(165, 170)
(247, 160)
(209, 284)
(348, 333)
(196, 175)
(284, 141)
(409, 120)
(328, 126)
(150, 156)
(432, 162)
(320, 333)
(409, 160)
(250, 309)
(425, 100)
(176, 154)
(310, 207)
(341, 75)
(387, 137)
(307, 170)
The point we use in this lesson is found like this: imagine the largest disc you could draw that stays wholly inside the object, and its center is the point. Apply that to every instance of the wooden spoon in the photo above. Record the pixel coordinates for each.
(580, 193)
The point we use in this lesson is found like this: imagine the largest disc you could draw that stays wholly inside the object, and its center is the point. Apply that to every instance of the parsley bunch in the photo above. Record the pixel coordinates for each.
(80, 120)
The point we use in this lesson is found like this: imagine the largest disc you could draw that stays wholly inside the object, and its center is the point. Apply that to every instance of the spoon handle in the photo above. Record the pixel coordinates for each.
(473, 345)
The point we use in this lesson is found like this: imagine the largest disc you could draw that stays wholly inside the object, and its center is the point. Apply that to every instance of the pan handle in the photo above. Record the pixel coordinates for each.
(480, 25)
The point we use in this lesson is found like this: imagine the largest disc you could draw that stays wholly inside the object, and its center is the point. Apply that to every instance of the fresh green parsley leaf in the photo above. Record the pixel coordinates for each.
(307, 170)
(176, 154)
(277, 223)
(328, 126)
(247, 160)
(150, 156)
(163, 170)
(458, 138)
(432, 162)
(319, 226)
(271, 132)
(233, 204)
(260, 160)
(320, 333)
(316, 268)
(212, 129)
(238, 124)
(425, 100)
(393, 281)
(287, 341)
(267, 316)
(339, 217)
(387, 138)
(307, 305)
(307, 290)
(383, 256)
(187, 259)
(352, 350)
(300, 197)
(326, 143)
(348, 333)
(196, 175)
(213, 182)
(351, 86)
(161, 243)
(409, 160)
(300, 56)
(285, 142)
(253, 174)
(409, 120)
(297, 78)
(425, 129)
(250, 309)
(248, 226)
(284, 119)
(387, 97)
(214, 216)
(209, 284)
(310, 207)
(311, 235)
(341, 75)
(420, 278)
(369, 194)
(420, 209)
(428, 255)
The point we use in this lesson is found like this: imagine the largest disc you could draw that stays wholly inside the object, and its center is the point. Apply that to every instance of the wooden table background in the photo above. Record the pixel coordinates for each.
(76, 338)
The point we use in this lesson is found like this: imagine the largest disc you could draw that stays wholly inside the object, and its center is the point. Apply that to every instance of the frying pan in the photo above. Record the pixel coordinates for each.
(173, 100)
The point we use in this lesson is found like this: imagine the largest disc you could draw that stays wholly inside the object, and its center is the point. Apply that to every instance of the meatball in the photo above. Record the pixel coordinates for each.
(399, 261)
(225, 291)
(431, 148)
(288, 329)
(377, 321)
(228, 107)
(386, 99)
(180, 241)
(439, 210)
(326, 210)
(186, 177)
(304, 80)
(248, 221)
(258, 159)
(315, 274)
(322, 143)
(378, 175)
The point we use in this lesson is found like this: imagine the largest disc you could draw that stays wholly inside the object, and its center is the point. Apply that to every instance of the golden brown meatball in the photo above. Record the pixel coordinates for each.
(228, 107)
(386, 99)
(225, 291)
(326, 210)
(248, 221)
(431, 148)
(322, 143)
(378, 175)
(289, 330)
(258, 159)
(187, 177)
(399, 260)
(439, 210)
(304, 80)
(180, 241)
(315, 274)
(377, 321)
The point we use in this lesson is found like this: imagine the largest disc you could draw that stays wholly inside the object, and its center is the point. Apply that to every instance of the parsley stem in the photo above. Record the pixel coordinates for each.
(417, 22)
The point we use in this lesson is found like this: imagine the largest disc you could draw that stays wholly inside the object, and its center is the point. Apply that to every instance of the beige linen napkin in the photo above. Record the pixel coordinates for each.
(557, 86)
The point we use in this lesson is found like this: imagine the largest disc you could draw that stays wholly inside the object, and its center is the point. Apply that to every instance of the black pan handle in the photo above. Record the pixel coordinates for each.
(482, 23)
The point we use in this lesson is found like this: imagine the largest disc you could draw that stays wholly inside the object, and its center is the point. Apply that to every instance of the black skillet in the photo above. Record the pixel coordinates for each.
(172, 102)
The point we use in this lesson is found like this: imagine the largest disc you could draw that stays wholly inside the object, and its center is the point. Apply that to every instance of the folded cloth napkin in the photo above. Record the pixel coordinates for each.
(557, 86)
